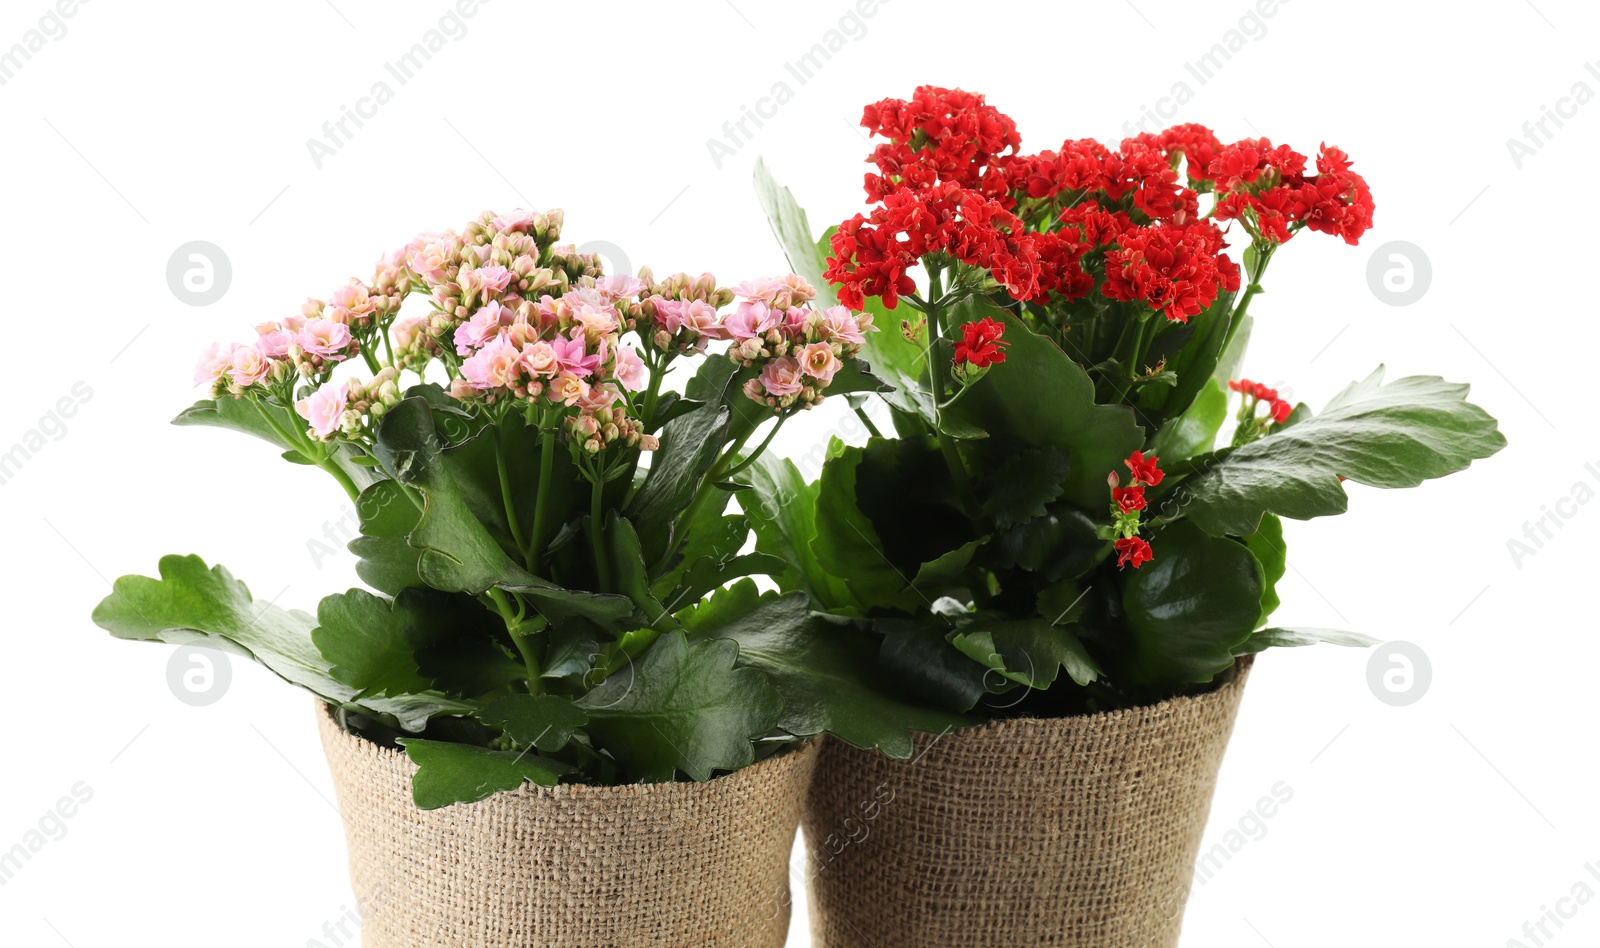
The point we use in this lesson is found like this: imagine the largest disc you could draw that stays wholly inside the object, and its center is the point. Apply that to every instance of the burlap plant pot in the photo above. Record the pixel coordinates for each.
(648, 865)
(1073, 832)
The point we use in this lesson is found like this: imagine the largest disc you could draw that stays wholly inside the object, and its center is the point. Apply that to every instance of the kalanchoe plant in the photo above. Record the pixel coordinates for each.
(541, 518)
(1055, 500)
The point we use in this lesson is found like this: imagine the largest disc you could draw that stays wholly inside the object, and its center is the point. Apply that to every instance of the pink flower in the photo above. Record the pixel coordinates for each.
(493, 280)
(324, 337)
(324, 409)
(838, 325)
(484, 325)
(517, 220)
(311, 309)
(496, 365)
(405, 330)
(782, 377)
(570, 353)
(761, 288)
(214, 363)
(818, 361)
(351, 303)
(702, 318)
(433, 258)
(619, 286)
(249, 366)
(598, 398)
(628, 369)
(274, 342)
(750, 319)
(597, 321)
(568, 388)
(539, 358)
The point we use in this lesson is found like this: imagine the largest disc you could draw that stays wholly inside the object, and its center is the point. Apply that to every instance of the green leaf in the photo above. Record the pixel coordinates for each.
(1195, 431)
(1395, 435)
(937, 573)
(1192, 351)
(1062, 545)
(782, 511)
(546, 722)
(1270, 551)
(452, 773)
(690, 445)
(710, 573)
(457, 552)
(193, 605)
(1020, 490)
(1299, 636)
(246, 415)
(424, 639)
(827, 674)
(1039, 397)
(1191, 607)
(385, 561)
(849, 543)
(917, 654)
(854, 377)
(682, 707)
(1028, 651)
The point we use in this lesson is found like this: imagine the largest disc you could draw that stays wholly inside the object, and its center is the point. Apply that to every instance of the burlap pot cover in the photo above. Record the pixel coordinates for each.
(1077, 832)
(650, 865)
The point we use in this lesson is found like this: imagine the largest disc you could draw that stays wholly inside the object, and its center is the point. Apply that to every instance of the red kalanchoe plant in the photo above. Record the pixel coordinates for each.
(1080, 313)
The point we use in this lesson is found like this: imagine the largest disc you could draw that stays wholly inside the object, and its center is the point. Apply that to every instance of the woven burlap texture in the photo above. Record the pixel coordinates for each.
(647, 865)
(1077, 832)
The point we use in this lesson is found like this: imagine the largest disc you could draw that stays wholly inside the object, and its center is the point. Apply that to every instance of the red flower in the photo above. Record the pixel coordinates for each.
(1174, 269)
(1133, 551)
(1277, 407)
(1128, 499)
(981, 345)
(1144, 471)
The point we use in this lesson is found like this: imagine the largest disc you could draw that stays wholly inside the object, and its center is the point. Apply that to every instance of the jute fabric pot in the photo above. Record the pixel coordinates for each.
(1077, 832)
(648, 865)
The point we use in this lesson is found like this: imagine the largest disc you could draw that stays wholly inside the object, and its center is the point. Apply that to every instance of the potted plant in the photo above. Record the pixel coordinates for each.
(510, 712)
(1051, 538)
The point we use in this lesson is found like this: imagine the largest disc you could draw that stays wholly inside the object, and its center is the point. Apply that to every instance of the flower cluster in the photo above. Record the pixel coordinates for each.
(981, 346)
(1251, 425)
(1127, 506)
(1064, 223)
(520, 321)
(797, 350)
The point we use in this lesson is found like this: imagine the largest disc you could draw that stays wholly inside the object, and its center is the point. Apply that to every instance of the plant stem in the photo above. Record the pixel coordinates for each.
(505, 494)
(872, 429)
(751, 459)
(596, 499)
(547, 447)
(936, 372)
(339, 475)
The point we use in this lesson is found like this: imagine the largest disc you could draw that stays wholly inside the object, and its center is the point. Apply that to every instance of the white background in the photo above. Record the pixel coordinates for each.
(1452, 821)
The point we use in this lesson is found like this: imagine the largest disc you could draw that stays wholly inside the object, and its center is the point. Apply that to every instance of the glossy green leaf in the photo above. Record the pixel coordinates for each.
(827, 673)
(1300, 636)
(682, 707)
(1039, 397)
(848, 542)
(450, 773)
(917, 654)
(546, 722)
(1020, 489)
(1190, 608)
(782, 511)
(193, 605)
(1195, 431)
(1272, 553)
(690, 445)
(1394, 435)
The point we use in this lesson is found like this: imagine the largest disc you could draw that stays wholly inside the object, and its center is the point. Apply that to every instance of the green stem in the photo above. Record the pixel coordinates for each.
(505, 495)
(1237, 316)
(323, 460)
(937, 370)
(596, 502)
(339, 475)
(751, 459)
(547, 448)
(872, 429)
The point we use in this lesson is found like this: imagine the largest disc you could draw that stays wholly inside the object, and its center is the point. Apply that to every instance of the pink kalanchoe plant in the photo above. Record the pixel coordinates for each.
(542, 517)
